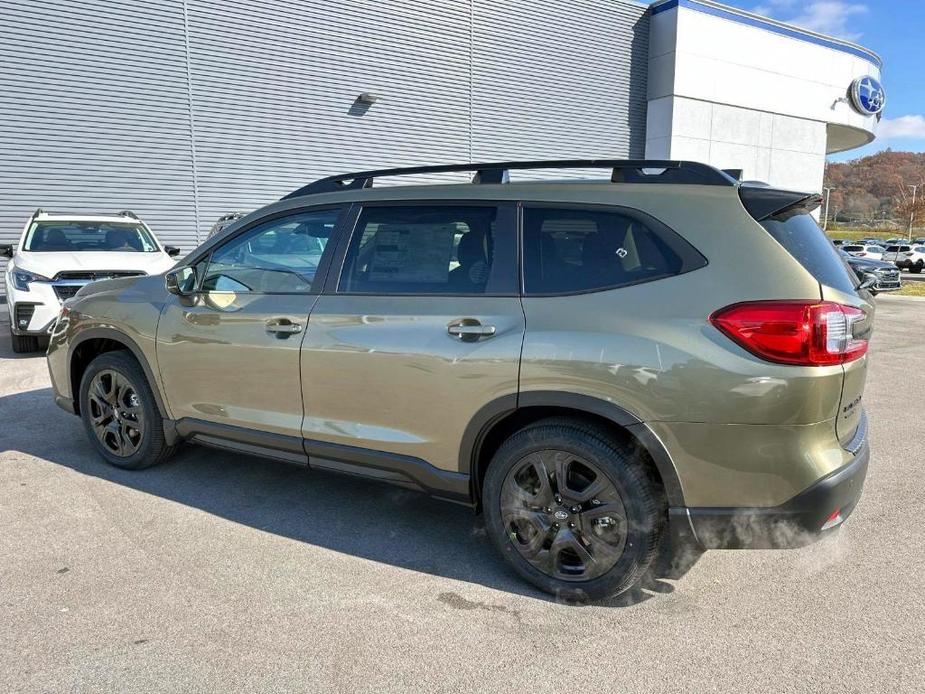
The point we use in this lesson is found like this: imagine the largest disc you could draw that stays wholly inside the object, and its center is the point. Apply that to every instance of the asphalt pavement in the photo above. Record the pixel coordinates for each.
(226, 573)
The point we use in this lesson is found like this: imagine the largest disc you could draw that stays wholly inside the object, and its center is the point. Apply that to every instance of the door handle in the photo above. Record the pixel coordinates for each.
(283, 327)
(469, 330)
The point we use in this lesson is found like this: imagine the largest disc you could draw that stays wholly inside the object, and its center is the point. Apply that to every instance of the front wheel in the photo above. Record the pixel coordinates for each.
(917, 268)
(119, 413)
(573, 509)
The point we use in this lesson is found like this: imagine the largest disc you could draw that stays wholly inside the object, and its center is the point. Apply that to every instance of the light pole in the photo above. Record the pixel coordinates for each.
(912, 210)
(825, 219)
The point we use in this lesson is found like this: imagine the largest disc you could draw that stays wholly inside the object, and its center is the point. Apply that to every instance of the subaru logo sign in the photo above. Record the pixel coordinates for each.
(867, 96)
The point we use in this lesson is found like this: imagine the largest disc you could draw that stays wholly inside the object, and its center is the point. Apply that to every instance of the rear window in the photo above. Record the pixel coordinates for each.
(799, 233)
(852, 249)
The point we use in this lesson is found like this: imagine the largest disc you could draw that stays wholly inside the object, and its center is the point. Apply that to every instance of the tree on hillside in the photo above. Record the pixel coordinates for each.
(909, 207)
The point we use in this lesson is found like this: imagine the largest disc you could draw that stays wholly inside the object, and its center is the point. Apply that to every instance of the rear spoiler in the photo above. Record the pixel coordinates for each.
(762, 201)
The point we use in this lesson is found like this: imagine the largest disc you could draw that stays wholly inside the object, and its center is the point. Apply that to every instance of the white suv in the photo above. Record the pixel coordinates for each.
(911, 258)
(60, 253)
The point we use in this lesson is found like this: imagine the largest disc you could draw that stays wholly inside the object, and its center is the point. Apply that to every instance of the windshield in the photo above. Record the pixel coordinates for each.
(120, 237)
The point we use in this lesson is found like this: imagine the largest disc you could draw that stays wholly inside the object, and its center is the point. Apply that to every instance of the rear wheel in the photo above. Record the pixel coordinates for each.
(573, 509)
(24, 343)
(917, 268)
(119, 413)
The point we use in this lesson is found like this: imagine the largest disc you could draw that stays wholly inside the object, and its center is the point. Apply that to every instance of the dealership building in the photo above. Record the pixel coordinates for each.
(183, 110)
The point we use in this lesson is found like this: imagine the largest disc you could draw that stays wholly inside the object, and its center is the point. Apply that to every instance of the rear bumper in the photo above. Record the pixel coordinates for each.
(796, 523)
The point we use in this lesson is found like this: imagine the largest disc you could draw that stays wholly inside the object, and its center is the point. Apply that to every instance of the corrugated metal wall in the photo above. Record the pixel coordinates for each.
(182, 111)
(94, 112)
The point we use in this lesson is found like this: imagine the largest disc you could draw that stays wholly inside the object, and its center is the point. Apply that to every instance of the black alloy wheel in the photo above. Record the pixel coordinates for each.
(116, 413)
(575, 508)
(120, 413)
(563, 515)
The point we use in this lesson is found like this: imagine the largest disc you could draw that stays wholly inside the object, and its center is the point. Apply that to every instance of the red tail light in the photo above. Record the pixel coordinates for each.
(806, 333)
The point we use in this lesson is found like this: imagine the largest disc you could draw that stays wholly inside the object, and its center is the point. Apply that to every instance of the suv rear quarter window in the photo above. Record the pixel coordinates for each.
(797, 231)
(573, 250)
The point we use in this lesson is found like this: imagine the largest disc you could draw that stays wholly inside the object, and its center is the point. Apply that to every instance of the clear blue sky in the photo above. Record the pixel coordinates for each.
(895, 30)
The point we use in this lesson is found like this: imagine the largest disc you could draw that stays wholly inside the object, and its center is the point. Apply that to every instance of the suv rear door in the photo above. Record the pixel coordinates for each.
(418, 331)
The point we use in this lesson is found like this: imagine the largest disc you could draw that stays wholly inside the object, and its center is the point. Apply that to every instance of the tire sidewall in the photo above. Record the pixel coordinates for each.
(615, 464)
(128, 368)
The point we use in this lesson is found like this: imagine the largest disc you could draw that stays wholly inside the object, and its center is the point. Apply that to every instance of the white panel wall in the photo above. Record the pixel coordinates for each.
(783, 150)
(741, 96)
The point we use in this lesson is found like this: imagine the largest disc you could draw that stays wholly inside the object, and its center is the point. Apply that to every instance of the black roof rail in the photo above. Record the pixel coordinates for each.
(623, 171)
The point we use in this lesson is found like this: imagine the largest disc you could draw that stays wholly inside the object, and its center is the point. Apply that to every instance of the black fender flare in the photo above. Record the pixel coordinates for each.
(106, 333)
(495, 411)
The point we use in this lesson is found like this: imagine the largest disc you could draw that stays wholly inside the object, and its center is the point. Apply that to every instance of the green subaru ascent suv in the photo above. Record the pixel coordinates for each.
(599, 367)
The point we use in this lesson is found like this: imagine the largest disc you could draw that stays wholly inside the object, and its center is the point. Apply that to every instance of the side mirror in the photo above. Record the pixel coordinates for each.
(181, 281)
(172, 251)
(868, 282)
(6, 250)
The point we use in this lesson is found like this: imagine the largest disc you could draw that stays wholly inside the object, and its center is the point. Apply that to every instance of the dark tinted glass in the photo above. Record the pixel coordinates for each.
(439, 249)
(799, 233)
(279, 256)
(577, 250)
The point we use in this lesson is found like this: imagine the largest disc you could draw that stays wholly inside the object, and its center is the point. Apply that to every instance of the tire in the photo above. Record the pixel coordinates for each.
(618, 550)
(133, 438)
(23, 344)
(917, 268)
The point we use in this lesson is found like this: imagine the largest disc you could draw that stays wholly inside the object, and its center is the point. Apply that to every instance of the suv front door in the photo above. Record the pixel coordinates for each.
(421, 328)
(229, 356)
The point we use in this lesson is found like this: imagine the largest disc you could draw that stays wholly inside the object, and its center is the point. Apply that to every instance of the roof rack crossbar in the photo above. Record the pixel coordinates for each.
(121, 213)
(623, 171)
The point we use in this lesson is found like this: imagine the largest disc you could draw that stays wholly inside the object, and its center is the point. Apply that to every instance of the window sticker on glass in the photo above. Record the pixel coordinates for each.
(416, 254)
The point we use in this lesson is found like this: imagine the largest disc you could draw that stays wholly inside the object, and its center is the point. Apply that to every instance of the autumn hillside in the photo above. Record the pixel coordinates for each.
(875, 190)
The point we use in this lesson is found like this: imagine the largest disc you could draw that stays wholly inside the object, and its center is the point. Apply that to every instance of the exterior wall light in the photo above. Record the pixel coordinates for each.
(367, 99)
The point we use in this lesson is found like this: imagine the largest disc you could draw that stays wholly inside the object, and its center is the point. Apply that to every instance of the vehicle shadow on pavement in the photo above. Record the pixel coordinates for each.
(350, 515)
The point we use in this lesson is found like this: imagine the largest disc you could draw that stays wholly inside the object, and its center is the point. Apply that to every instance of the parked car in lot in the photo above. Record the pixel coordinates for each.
(60, 253)
(594, 366)
(871, 251)
(887, 276)
(906, 257)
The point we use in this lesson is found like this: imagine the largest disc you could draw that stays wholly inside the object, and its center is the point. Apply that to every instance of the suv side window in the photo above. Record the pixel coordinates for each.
(277, 257)
(431, 249)
(588, 249)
